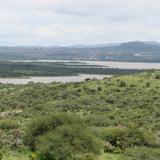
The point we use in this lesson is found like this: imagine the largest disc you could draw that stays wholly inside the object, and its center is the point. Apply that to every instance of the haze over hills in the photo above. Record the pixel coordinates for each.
(95, 45)
(135, 51)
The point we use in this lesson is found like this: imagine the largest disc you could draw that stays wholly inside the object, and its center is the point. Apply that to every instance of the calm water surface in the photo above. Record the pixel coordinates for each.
(63, 79)
(107, 64)
(81, 77)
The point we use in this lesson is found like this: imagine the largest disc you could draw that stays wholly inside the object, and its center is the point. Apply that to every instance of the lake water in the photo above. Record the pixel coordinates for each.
(81, 77)
(63, 79)
(125, 65)
(107, 64)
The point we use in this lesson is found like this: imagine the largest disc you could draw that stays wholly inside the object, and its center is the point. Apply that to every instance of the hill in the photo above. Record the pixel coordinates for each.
(115, 118)
(130, 52)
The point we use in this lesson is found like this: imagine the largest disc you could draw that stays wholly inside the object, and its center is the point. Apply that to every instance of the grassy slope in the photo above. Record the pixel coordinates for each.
(137, 102)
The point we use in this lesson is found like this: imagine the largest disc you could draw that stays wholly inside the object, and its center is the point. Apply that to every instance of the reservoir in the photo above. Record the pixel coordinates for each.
(63, 79)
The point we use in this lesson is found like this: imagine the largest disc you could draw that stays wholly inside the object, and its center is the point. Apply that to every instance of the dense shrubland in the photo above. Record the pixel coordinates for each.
(81, 121)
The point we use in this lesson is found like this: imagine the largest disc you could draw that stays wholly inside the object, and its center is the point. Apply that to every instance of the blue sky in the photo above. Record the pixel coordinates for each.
(69, 22)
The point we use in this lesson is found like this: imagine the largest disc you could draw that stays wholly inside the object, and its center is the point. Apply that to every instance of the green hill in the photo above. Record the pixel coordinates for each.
(111, 119)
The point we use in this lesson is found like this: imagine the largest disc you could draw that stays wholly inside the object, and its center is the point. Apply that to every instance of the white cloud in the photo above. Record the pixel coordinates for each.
(64, 22)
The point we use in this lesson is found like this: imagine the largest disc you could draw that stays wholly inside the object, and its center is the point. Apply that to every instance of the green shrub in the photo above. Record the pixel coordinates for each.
(8, 124)
(60, 137)
(1, 156)
(42, 124)
(33, 156)
(67, 106)
(87, 156)
(66, 142)
(98, 120)
(141, 153)
(156, 75)
(52, 147)
(99, 88)
(128, 137)
(148, 84)
(122, 83)
(111, 99)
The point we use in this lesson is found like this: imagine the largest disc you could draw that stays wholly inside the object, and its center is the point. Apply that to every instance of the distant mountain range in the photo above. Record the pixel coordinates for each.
(95, 45)
(135, 51)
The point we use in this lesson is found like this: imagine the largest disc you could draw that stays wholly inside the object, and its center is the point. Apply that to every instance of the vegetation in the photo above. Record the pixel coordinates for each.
(116, 118)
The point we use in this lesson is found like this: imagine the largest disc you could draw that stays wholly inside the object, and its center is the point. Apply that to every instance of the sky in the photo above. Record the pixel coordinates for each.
(70, 22)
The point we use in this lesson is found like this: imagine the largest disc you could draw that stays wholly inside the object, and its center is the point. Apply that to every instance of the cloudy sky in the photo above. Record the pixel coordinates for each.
(69, 22)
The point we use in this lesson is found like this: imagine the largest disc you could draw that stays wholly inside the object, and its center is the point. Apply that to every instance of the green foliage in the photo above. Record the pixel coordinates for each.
(123, 138)
(156, 75)
(98, 120)
(42, 124)
(66, 142)
(111, 99)
(60, 136)
(122, 84)
(87, 156)
(1, 156)
(8, 124)
(33, 156)
(52, 147)
(141, 153)
(121, 112)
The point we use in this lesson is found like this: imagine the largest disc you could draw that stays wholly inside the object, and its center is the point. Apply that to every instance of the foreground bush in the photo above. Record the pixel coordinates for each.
(62, 137)
(42, 124)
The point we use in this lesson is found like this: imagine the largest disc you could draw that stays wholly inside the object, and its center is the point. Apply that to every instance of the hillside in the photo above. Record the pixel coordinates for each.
(130, 52)
(111, 119)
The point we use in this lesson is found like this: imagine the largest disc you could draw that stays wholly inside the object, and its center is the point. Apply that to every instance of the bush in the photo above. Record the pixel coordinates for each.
(1, 156)
(52, 147)
(33, 156)
(128, 137)
(156, 75)
(98, 120)
(66, 142)
(88, 156)
(67, 106)
(141, 153)
(42, 124)
(8, 124)
(60, 137)
(122, 83)
(111, 99)
(148, 84)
